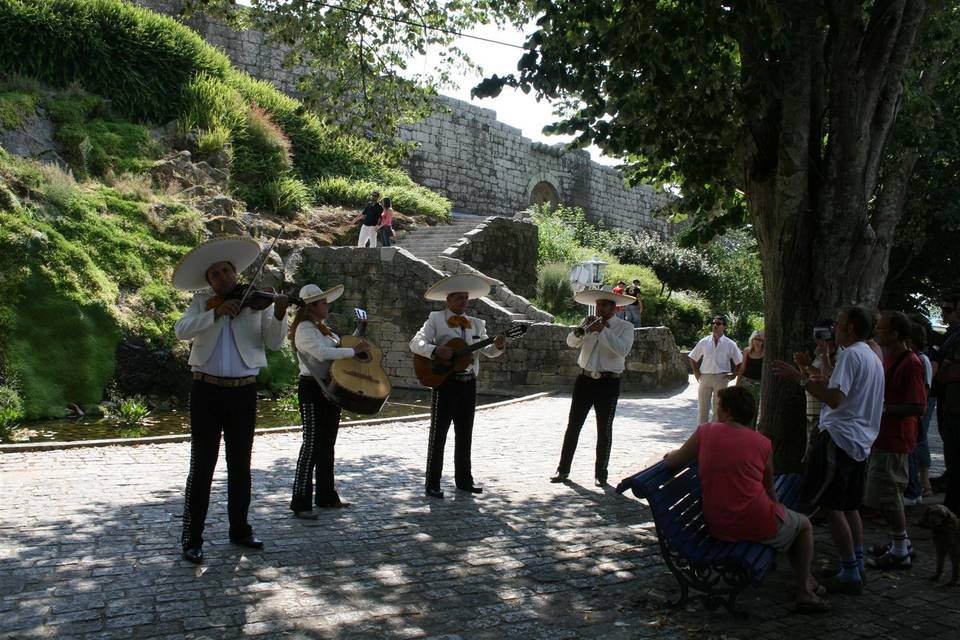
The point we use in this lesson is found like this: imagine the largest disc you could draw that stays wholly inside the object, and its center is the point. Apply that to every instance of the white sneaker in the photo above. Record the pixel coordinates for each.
(912, 502)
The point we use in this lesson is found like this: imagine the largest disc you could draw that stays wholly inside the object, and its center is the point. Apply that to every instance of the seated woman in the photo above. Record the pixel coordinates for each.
(317, 347)
(739, 503)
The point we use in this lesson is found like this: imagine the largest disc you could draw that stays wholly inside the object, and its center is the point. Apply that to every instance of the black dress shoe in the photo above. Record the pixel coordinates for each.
(193, 554)
(333, 504)
(600, 482)
(251, 542)
(471, 489)
(434, 493)
(560, 477)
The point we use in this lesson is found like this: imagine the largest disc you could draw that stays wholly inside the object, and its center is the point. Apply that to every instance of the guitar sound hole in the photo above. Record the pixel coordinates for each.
(363, 357)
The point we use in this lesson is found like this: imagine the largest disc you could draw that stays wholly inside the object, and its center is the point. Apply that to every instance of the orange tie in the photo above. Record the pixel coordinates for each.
(324, 329)
(459, 321)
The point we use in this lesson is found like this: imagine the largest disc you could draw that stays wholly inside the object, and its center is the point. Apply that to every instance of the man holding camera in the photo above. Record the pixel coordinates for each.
(714, 361)
(849, 423)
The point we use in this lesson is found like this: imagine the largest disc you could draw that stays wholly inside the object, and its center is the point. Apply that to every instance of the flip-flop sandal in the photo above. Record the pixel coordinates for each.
(818, 606)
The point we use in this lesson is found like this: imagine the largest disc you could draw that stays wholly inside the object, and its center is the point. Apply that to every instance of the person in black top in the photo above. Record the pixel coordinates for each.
(749, 371)
(946, 384)
(634, 309)
(371, 221)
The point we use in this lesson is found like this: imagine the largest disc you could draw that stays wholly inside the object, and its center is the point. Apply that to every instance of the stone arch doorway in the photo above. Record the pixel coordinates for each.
(544, 192)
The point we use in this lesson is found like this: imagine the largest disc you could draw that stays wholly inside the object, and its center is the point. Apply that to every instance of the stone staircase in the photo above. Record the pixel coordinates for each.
(429, 245)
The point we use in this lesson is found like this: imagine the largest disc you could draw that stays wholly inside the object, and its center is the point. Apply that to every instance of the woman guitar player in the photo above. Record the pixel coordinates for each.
(317, 347)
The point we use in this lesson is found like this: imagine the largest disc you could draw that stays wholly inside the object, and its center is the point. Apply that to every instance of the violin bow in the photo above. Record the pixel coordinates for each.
(263, 262)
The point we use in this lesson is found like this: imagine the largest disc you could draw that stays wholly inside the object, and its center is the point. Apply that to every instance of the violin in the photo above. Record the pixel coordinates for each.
(257, 299)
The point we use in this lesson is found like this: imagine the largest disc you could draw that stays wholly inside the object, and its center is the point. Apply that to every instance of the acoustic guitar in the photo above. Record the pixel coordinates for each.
(359, 384)
(431, 373)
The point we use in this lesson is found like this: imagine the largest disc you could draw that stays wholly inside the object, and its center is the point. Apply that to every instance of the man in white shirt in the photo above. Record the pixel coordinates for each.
(849, 424)
(455, 399)
(714, 361)
(604, 341)
(226, 355)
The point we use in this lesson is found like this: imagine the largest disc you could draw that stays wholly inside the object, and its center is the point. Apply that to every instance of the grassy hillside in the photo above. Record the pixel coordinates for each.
(86, 254)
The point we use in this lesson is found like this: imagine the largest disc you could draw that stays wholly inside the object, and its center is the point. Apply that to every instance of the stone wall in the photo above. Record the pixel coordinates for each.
(481, 164)
(504, 249)
(389, 283)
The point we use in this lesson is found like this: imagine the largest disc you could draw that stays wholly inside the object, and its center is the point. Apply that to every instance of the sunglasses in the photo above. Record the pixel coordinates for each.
(722, 324)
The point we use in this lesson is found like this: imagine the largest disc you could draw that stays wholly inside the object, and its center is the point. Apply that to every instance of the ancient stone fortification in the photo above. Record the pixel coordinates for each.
(389, 283)
(504, 249)
(484, 166)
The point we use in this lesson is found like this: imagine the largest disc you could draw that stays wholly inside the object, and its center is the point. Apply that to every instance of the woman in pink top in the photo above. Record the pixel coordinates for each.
(386, 224)
(739, 503)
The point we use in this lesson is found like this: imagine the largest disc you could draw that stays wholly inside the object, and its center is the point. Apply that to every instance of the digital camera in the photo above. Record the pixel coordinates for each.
(823, 333)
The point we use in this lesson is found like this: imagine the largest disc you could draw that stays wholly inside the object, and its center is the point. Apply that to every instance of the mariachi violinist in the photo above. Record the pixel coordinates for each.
(229, 338)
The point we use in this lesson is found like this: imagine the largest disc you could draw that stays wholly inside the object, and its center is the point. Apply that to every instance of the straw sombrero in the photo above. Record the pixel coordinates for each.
(591, 296)
(311, 293)
(473, 286)
(190, 274)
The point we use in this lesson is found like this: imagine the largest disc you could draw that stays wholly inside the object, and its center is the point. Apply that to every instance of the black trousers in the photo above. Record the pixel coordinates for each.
(321, 421)
(231, 411)
(455, 402)
(949, 424)
(600, 394)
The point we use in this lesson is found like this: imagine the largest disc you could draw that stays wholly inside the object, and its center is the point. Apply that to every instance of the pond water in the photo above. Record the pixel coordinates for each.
(270, 413)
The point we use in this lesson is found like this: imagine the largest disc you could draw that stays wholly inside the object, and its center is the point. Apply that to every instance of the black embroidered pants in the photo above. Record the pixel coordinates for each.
(214, 410)
(321, 422)
(601, 395)
(453, 401)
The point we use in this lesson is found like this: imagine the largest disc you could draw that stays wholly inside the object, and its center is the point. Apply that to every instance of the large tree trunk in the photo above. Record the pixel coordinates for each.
(811, 164)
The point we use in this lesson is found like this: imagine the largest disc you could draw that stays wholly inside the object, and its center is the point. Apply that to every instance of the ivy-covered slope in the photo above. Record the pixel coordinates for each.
(85, 258)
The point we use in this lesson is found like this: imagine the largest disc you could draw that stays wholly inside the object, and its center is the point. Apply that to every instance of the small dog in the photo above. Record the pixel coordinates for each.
(946, 538)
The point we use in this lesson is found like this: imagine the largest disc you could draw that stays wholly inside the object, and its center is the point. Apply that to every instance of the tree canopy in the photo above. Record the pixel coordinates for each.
(360, 52)
(783, 114)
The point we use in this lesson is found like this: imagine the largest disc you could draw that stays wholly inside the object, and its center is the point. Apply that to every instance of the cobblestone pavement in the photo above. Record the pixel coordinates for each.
(89, 546)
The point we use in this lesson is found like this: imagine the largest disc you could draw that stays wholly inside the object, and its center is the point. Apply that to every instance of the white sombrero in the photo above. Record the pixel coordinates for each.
(591, 296)
(473, 286)
(191, 272)
(311, 293)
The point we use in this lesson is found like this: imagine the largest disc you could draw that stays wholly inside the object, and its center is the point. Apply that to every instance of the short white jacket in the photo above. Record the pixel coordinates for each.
(436, 332)
(252, 331)
(606, 350)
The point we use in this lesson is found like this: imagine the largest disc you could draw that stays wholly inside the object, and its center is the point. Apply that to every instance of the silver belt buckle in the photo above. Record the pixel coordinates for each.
(595, 375)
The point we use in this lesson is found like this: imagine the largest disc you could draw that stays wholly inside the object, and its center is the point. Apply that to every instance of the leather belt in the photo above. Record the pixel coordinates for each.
(596, 375)
(224, 382)
(463, 377)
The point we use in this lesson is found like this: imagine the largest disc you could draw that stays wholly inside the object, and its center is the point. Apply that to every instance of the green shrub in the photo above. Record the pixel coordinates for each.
(11, 412)
(128, 412)
(285, 197)
(211, 103)
(14, 107)
(100, 147)
(73, 107)
(554, 293)
(139, 60)
(354, 193)
(281, 371)
(214, 141)
(685, 316)
(677, 268)
(261, 156)
(557, 242)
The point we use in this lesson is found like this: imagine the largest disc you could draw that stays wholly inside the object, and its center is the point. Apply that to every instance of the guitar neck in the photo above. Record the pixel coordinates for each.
(465, 351)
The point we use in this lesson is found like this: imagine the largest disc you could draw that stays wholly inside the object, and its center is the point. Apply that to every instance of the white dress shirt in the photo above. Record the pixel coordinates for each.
(436, 332)
(316, 352)
(250, 332)
(717, 355)
(606, 350)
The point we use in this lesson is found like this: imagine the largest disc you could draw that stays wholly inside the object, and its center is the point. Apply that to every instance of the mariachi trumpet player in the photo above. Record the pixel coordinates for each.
(604, 341)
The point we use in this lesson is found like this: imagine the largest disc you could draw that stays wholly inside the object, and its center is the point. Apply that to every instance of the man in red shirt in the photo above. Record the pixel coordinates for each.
(904, 401)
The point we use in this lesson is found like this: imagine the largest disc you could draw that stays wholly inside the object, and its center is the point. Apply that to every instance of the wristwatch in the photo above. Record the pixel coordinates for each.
(804, 382)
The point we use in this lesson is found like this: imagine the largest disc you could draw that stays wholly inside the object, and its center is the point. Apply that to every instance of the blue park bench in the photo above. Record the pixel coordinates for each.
(720, 570)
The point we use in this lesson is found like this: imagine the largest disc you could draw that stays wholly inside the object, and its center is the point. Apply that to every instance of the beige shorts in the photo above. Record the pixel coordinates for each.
(886, 480)
(787, 530)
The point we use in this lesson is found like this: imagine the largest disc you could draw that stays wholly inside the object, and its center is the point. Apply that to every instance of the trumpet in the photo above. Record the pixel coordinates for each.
(585, 324)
